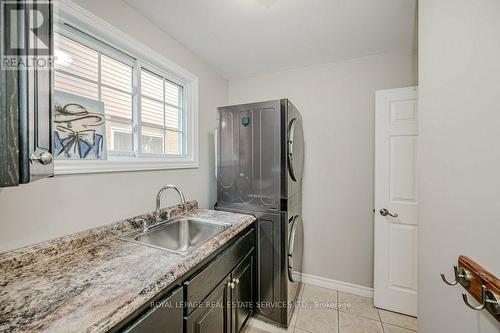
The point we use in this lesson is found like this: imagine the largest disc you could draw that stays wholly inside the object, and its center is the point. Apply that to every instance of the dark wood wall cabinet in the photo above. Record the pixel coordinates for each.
(26, 92)
(217, 296)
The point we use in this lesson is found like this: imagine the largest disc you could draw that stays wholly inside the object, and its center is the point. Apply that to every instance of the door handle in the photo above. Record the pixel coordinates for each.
(385, 212)
(291, 245)
(216, 133)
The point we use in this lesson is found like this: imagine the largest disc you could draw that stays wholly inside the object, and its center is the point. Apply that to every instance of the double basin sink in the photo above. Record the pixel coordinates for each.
(180, 235)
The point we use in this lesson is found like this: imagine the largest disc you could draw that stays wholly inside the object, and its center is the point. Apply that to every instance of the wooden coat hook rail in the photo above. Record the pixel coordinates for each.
(479, 283)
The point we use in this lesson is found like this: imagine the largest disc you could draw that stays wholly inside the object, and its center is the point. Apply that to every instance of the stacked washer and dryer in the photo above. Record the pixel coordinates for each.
(260, 158)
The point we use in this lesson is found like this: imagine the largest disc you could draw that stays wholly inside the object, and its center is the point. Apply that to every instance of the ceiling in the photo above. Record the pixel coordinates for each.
(242, 38)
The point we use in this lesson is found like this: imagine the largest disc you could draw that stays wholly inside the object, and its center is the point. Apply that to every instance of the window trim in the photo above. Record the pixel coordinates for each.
(78, 18)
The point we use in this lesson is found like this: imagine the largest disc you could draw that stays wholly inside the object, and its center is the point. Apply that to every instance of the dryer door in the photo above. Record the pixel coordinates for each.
(295, 149)
(295, 247)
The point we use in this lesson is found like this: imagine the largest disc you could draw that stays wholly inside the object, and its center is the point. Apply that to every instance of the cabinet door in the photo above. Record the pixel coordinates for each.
(26, 93)
(213, 314)
(166, 318)
(9, 126)
(198, 287)
(36, 99)
(242, 292)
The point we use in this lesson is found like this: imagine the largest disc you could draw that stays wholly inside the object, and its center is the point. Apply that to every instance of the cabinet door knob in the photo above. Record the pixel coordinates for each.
(231, 285)
(44, 157)
(237, 281)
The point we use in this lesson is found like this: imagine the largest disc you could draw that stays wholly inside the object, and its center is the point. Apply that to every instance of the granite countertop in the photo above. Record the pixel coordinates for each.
(92, 280)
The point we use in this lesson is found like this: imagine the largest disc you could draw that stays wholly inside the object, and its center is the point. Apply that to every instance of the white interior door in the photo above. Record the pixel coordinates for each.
(396, 203)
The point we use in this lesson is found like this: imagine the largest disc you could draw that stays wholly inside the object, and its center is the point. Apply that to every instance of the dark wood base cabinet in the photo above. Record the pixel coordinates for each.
(228, 307)
(166, 317)
(213, 314)
(216, 297)
(242, 293)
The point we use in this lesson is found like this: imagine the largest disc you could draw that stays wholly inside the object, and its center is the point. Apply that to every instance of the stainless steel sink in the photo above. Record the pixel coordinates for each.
(180, 235)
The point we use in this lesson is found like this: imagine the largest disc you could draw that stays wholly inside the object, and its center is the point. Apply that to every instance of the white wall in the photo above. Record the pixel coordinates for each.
(66, 204)
(337, 104)
(459, 71)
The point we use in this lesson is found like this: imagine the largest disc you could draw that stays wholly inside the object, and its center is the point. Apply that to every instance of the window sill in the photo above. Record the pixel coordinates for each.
(69, 167)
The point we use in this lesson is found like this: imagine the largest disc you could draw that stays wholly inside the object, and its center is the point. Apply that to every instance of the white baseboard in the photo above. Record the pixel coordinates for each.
(335, 285)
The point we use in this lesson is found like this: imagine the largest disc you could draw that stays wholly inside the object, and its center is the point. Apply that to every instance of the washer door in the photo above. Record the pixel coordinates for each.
(295, 149)
(295, 245)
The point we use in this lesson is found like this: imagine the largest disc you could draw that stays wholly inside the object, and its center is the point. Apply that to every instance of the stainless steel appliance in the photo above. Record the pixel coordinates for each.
(260, 157)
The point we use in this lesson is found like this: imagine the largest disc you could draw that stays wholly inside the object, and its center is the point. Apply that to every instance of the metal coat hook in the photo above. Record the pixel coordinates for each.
(461, 275)
(488, 299)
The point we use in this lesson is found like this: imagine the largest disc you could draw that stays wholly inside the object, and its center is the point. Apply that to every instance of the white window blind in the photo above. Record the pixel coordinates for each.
(76, 68)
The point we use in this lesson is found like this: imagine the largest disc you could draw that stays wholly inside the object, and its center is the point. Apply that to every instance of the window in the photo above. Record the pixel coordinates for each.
(161, 115)
(150, 103)
(86, 72)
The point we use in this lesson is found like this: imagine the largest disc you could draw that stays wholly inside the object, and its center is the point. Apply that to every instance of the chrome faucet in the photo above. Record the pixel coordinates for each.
(158, 197)
(145, 226)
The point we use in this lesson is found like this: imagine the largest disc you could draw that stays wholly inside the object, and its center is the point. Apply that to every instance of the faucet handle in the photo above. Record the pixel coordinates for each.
(144, 224)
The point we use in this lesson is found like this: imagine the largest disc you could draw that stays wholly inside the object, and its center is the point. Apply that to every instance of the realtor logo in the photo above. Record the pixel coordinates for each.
(26, 34)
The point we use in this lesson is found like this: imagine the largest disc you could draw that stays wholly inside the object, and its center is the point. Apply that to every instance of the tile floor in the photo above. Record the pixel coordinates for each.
(338, 312)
